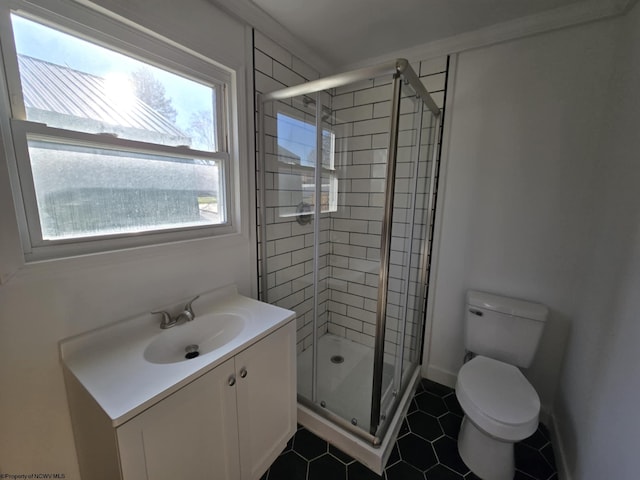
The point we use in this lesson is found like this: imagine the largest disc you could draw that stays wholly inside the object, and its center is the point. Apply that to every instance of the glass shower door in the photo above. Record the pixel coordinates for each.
(423, 214)
(401, 183)
(289, 246)
(360, 165)
(296, 215)
(408, 249)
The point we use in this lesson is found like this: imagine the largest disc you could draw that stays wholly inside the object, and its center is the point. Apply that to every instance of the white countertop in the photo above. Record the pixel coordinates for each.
(110, 364)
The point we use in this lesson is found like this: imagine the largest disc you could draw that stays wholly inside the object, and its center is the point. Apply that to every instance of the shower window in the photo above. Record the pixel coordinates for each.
(296, 157)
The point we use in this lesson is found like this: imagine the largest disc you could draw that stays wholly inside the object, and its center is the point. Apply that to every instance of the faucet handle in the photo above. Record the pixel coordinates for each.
(166, 319)
(189, 308)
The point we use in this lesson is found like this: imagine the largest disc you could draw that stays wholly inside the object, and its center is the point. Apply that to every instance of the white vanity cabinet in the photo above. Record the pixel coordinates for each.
(266, 400)
(193, 433)
(230, 423)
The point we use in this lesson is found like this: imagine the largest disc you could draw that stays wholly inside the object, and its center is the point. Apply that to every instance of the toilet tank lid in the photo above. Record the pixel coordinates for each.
(506, 305)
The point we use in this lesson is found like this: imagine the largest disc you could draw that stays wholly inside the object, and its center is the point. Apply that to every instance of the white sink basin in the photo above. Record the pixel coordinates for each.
(207, 332)
(132, 364)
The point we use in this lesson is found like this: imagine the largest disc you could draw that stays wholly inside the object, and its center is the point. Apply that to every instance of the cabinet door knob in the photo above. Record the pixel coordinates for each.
(232, 380)
(243, 372)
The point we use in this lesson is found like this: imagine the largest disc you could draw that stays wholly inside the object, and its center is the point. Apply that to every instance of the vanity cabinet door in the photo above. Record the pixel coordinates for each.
(192, 433)
(267, 408)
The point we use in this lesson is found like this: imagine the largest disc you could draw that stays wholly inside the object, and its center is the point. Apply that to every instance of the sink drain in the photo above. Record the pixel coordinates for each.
(337, 359)
(192, 351)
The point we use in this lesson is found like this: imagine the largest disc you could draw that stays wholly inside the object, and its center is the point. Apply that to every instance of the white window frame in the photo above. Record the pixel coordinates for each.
(136, 43)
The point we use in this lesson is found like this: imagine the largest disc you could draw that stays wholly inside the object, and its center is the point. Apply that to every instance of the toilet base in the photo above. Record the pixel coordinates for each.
(487, 457)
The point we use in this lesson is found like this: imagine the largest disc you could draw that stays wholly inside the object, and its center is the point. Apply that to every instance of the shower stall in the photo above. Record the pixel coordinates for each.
(346, 177)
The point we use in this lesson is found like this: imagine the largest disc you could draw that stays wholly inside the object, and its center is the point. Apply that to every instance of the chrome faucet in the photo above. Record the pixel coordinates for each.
(186, 315)
(167, 321)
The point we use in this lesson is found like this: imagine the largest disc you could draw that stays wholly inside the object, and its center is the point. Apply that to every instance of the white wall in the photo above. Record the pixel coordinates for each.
(541, 201)
(516, 201)
(600, 388)
(46, 302)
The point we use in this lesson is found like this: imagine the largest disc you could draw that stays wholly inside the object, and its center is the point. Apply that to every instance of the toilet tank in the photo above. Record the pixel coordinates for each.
(503, 328)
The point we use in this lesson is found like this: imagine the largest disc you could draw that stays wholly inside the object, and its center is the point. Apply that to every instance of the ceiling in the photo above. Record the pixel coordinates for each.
(348, 32)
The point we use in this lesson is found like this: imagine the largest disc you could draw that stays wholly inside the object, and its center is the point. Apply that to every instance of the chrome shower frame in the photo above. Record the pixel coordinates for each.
(401, 71)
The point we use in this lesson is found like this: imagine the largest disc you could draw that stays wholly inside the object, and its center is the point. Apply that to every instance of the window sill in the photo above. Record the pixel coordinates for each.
(159, 253)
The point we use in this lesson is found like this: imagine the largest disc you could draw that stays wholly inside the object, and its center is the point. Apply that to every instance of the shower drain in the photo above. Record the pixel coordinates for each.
(337, 359)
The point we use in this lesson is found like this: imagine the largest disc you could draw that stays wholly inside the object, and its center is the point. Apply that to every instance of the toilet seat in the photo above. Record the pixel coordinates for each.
(498, 399)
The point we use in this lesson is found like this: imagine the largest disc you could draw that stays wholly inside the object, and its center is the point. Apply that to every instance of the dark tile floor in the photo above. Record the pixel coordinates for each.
(426, 448)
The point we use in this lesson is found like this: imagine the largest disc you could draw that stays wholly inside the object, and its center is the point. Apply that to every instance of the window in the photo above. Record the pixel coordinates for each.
(114, 146)
(296, 153)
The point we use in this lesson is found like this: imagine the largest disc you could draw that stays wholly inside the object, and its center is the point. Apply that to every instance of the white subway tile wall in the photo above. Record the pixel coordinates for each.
(358, 114)
(289, 244)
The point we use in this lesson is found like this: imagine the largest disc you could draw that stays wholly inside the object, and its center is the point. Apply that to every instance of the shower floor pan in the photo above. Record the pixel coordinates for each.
(345, 375)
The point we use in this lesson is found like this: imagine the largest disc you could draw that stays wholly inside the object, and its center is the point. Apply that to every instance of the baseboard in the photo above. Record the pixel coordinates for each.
(559, 451)
(546, 416)
(441, 376)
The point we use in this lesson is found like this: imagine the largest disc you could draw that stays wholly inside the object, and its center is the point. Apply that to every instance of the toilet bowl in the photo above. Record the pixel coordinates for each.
(501, 408)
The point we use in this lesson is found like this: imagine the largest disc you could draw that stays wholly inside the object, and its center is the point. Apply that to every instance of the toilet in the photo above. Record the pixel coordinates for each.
(500, 406)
